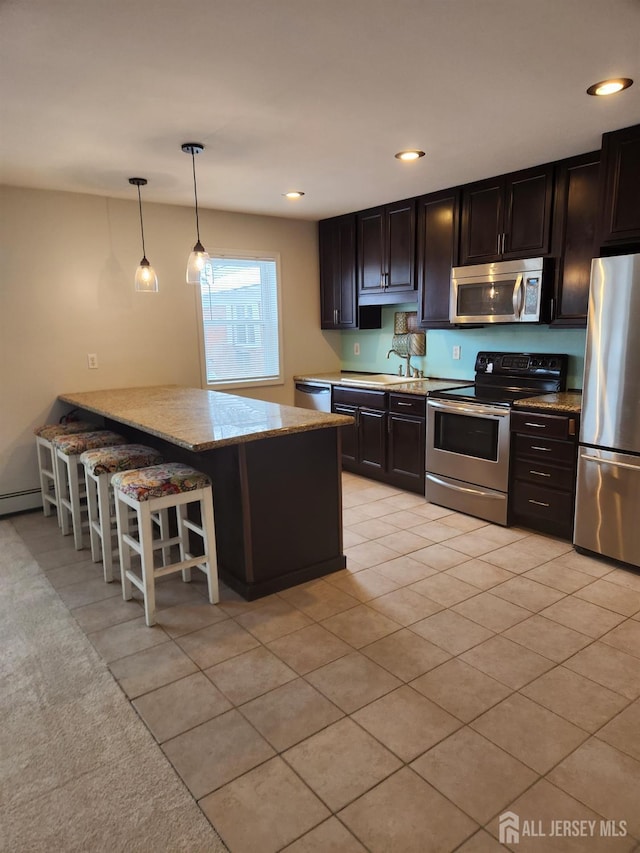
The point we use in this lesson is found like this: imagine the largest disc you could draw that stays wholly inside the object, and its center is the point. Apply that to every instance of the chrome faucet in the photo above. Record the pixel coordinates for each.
(408, 357)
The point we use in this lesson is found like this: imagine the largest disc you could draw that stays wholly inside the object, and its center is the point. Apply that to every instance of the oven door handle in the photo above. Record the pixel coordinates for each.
(468, 489)
(477, 410)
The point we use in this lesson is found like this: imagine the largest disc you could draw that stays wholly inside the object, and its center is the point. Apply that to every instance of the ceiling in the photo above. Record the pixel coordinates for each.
(315, 95)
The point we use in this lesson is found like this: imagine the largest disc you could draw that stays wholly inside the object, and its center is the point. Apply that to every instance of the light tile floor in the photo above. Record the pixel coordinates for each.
(455, 670)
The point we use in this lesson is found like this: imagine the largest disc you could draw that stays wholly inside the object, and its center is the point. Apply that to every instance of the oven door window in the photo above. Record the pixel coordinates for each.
(467, 435)
(487, 299)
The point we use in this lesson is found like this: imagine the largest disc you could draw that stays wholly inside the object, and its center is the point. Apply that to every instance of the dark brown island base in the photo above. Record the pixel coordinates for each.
(275, 472)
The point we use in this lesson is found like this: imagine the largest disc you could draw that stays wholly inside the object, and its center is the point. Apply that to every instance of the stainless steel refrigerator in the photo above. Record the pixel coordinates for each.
(608, 493)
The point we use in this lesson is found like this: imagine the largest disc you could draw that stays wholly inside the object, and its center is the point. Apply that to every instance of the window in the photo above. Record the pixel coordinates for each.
(240, 312)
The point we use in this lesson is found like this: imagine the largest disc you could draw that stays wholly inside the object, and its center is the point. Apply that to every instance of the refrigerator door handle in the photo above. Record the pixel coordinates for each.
(611, 462)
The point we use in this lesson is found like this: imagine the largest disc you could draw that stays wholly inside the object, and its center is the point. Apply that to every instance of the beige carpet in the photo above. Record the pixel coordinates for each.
(78, 769)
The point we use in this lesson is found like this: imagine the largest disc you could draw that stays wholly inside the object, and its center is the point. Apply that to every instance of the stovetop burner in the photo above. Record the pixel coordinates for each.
(502, 377)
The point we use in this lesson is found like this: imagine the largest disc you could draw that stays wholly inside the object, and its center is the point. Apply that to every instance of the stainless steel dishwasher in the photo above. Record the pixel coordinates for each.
(313, 395)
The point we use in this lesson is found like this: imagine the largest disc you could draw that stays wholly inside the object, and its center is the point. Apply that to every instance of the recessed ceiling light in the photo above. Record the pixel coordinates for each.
(410, 154)
(610, 87)
(293, 194)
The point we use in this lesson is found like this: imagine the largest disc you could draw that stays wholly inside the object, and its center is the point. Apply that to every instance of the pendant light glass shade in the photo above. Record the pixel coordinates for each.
(197, 259)
(146, 280)
(199, 255)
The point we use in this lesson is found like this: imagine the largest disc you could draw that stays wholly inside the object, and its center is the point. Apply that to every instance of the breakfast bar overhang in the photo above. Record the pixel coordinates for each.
(275, 472)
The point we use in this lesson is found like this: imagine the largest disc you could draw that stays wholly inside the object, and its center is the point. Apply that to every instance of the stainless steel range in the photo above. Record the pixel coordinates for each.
(468, 430)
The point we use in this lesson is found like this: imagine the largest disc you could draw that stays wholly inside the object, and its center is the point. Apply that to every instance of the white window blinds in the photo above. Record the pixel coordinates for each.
(240, 320)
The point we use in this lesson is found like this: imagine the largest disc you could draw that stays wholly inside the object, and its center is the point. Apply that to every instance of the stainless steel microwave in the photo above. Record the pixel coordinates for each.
(502, 292)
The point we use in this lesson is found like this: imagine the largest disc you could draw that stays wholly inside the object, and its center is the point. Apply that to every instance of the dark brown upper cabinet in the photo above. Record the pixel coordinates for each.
(438, 232)
(507, 217)
(337, 239)
(338, 293)
(620, 223)
(575, 221)
(386, 253)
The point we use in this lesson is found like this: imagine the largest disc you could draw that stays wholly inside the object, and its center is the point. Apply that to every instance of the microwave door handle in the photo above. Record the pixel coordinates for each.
(517, 297)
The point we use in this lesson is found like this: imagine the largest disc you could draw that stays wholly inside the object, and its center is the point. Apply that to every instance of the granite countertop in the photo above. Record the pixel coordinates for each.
(421, 387)
(200, 420)
(569, 402)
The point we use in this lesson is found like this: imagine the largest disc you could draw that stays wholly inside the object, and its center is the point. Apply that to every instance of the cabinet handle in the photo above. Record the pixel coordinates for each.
(572, 426)
(537, 426)
(539, 503)
(539, 473)
(504, 240)
(543, 449)
(404, 404)
(498, 248)
(389, 422)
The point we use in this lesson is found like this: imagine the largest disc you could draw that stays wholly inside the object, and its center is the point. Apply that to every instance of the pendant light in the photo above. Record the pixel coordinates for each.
(199, 255)
(146, 280)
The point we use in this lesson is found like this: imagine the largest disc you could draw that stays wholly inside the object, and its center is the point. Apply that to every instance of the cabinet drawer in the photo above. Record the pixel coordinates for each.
(543, 504)
(553, 426)
(408, 404)
(539, 448)
(541, 474)
(360, 397)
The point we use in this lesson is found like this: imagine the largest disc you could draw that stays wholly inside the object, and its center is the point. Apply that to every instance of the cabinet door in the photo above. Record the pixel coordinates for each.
(574, 238)
(621, 187)
(371, 257)
(348, 434)
(406, 453)
(482, 217)
(400, 239)
(438, 232)
(372, 435)
(527, 216)
(337, 243)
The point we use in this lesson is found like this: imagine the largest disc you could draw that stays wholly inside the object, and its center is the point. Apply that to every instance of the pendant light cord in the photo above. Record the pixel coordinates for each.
(144, 252)
(195, 191)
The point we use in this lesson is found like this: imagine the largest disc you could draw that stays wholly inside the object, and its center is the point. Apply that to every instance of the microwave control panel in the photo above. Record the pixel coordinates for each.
(531, 295)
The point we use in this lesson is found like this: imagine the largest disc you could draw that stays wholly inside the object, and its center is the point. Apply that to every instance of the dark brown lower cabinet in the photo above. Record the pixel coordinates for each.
(387, 440)
(544, 449)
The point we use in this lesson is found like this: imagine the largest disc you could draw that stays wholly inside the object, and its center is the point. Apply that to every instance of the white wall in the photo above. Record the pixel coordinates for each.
(66, 289)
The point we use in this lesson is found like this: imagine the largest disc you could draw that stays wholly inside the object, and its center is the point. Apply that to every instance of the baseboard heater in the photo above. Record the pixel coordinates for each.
(13, 502)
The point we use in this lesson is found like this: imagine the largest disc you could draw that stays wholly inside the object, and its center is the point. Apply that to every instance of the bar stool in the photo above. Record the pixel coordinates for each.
(68, 449)
(46, 459)
(99, 467)
(171, 486)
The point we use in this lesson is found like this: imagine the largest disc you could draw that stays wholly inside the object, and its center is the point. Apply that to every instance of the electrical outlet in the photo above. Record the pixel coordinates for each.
(92, 360)
(456, 352)
(356, 349)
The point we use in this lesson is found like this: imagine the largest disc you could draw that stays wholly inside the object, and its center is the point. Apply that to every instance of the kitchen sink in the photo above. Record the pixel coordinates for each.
(377, 379)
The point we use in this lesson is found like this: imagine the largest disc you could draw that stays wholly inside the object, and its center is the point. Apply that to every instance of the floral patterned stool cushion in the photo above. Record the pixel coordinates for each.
(123, 457)
(74, 445)
(49, 431)
(159, 481)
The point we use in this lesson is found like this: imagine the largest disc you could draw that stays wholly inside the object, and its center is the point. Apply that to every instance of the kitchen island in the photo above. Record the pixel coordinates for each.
(275, 472)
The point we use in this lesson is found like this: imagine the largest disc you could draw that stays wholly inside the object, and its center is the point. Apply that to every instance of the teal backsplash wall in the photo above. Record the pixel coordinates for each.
(439, 361)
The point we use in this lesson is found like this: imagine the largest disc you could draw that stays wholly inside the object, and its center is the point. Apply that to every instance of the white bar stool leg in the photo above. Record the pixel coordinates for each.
(47, 468)
(122, 521)
(105, 516)
(93, 508)
(145, 532)
(64, 502)
(183, 534)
